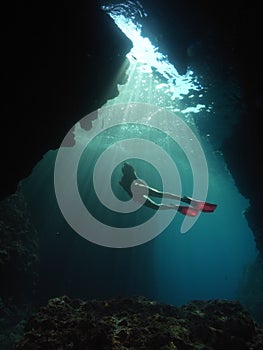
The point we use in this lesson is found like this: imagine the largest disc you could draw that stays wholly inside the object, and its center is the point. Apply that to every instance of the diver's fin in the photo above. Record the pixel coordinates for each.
(188, 211)
(202, 206)
(209, 207)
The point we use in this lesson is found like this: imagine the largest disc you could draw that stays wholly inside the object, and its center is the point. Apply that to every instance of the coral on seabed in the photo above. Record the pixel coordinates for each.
(139, 323)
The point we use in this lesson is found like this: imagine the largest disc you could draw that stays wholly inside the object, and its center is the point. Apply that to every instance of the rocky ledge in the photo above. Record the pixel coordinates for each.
(139, 323)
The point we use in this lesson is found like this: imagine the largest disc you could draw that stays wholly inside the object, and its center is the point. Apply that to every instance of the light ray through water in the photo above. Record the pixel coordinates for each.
(191, 265)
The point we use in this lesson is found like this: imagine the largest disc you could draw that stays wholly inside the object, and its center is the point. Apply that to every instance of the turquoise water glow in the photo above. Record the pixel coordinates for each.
(205, 263)
(208, 262)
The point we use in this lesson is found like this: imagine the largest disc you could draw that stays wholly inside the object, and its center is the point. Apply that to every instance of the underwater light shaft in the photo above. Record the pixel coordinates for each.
(149, 59)
(217, 246)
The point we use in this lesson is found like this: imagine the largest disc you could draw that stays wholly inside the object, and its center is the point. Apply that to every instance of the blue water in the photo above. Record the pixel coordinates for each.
(207, 262)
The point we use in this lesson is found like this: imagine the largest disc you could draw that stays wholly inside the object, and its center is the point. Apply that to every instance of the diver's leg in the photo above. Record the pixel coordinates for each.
(156, 206)
(196, 204)
(183, 210)
(155, 193)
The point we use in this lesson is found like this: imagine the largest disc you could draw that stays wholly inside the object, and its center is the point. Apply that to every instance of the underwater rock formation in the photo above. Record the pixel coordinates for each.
(250, 291)
(138, 323)
(12, 322)
(19, 253)
(62, 60)
(19, 263)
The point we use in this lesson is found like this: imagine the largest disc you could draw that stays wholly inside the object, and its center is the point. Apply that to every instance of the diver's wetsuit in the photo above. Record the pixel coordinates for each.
(127, 179)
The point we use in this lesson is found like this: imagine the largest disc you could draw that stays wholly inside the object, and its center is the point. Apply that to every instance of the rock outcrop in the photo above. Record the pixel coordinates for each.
(138, 323)
(61, 61)
(19, 267)
(19, 251)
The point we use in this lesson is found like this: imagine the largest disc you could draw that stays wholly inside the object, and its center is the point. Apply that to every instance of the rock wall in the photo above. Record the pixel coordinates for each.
(19, 267)
(223, 41)
(62, 60)
(19, 252)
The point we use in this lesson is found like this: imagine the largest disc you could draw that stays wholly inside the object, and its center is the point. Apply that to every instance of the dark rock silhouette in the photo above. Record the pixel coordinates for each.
(19, 267)
(61, 62)
(19, 252)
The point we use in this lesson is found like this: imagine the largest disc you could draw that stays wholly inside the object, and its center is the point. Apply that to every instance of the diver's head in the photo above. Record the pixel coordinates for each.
(127, 169)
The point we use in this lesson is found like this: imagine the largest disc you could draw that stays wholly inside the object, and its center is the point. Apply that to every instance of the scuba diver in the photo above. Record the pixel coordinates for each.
(140, 192)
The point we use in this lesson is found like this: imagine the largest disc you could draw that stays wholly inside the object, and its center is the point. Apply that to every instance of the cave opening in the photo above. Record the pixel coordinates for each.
(207, 262)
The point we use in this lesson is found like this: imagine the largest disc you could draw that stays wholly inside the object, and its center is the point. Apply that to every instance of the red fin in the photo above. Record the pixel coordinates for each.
(208, 207)
(203, 206)
(188, 211)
